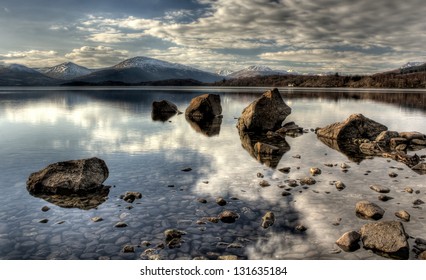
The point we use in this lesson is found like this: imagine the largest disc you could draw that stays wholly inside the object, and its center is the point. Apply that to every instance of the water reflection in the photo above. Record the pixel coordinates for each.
(84, 202)
(249, 141)
(148, 156)
(209, 127)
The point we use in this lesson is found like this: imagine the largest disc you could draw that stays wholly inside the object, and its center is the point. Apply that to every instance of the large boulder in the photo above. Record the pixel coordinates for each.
(80, 177)
(206, 106)
(386, 238)
(265, 113)
(163, 110)
(355, 127)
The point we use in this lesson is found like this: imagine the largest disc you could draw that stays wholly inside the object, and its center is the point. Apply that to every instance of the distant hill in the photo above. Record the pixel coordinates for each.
(144, 69)
(20, 75)
(65, 71)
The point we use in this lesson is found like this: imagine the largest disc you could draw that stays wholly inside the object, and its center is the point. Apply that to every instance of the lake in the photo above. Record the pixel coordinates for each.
(40, 126)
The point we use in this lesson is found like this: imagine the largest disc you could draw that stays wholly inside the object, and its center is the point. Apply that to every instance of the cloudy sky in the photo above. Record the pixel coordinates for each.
(348, 36)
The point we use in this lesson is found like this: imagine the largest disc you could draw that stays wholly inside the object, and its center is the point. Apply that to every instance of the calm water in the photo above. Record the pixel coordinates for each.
(42, 126)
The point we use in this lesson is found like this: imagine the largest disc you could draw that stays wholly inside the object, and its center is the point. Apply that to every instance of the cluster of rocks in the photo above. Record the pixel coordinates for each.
(359, 137)
(261, 128)
(204, 113)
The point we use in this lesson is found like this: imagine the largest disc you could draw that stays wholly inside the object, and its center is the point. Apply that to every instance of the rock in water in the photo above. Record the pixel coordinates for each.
(81, 177)
(206, 106)
(163, 110)
(228, 216)
(355, 127)
(386, 238)
(349, 241)
(265, 113)
(268, 219)
(369, 210)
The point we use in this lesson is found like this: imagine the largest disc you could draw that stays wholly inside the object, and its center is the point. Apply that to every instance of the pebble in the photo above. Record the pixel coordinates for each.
(292, 183)
(344, 166)
(97, 219)
(384, 197)
(329, 164)
(307, 181)
(128, 249)
(285, 193)
(259, 175)
(221, 201)
(264, 183)
(187, 169)
(340, 185)
(409, 190)
(418, 202)
(315, 171)
(297, 156)
(285, 169)
(403, 215)
(301, 228)
(202, 200)
(43, 221)
(45, 208)
(120, 225)
(228, 216)
(393, 175)
(379, 189)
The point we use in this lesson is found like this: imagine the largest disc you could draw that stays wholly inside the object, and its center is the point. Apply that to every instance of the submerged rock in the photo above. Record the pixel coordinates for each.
(268, 219)
(80, 177)
(386, 238)
(228, 216)
(131, 196)
(265, 113)
(403, 215)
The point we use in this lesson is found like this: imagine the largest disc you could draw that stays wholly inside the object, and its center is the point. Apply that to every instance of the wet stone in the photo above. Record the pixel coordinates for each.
(344, 166)
(315, 171)
(301, 228)
(292, 183)
(379, 189)
(187, 169)
(307, 181)
(418, 202)
(43, 221)
(403, 215)
(120, 225)
(369, 210)
(264, 183)
(268, 219)
(285, 169)
(97, 219)
(202, 200)
(228, 216)
(259, 175)
(128, 249)
(285, 193)
(384, 197)
(221, 201)
(45, 208)
(339, 185)
(131, 196)
(349, 241)
(393, 174)
(409, 190)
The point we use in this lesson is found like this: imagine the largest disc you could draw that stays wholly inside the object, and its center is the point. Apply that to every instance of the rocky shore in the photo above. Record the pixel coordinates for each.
(263, 130)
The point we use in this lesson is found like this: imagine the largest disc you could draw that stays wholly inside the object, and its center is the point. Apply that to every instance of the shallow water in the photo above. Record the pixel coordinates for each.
(42, 126)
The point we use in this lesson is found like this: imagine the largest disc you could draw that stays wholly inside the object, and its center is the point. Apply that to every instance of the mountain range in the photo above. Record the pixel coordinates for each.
(138, 70)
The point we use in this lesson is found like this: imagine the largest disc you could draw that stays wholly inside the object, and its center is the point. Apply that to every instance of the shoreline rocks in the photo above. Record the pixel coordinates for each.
(369, 210)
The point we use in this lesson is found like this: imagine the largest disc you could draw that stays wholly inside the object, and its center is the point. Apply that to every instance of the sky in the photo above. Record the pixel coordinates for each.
(308, 36)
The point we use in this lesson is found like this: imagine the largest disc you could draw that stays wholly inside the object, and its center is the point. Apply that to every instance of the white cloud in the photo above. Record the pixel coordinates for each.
(31, 58)
(99, 56)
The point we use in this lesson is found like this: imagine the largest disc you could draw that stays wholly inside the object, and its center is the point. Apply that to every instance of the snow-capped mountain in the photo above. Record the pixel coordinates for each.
(253, 71)
(20, 75)
(143, 69)
(66, 71)
(412, 64)
(224, 72)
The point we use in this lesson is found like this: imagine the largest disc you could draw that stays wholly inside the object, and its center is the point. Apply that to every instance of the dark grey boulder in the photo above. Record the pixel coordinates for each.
(386, 238)
(81, 177)
(265, 113)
